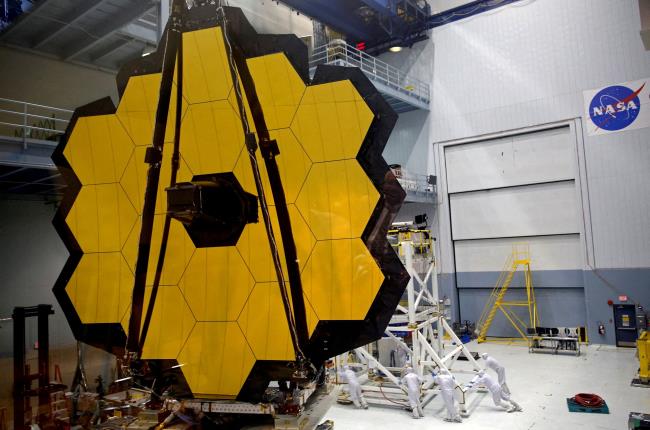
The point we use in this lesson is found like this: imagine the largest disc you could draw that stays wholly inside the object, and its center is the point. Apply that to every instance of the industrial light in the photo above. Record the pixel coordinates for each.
(148, 51)
(395, 48)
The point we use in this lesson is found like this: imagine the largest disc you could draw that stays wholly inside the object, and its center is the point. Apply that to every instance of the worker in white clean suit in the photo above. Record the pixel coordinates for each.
(412, 382)
(447, 383)
(356, 395)
(498, 396)
(492, 363)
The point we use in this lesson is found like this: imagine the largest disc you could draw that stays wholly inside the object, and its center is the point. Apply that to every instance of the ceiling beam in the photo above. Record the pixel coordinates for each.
(39, 156)
(38, 182)
(53, 56)
(70, 20)
(139, 32)
(20, 169)
(47, 178)
(331, 13)
(111, 48)
(464, 11)
(112, 26)
(24, 19)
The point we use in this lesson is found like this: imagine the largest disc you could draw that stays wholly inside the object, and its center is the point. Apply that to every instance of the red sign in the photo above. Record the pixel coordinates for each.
(361, 46)
(622, 298)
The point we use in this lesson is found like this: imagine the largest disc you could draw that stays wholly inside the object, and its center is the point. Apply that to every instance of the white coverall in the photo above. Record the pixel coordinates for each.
(412, 381)
(493, 364)
(356, 395)
(447, 384)
(499, 397)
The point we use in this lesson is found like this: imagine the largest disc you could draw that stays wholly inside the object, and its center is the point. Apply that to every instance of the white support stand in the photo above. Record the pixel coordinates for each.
(424, 320)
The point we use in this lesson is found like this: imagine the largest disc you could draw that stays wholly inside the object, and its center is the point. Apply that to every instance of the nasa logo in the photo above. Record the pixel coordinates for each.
(615, 108)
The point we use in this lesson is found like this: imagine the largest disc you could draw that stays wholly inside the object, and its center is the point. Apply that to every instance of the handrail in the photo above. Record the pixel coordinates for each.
(25, 120)
(339, 52)
(36, 105)
(31, 115)
(415, 182)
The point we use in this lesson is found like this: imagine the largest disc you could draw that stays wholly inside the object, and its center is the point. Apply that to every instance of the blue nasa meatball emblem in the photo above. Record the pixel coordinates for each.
(615, 108)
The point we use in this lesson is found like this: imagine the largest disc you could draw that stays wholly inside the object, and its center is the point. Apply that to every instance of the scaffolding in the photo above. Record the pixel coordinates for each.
(420, 330)
(518, 259)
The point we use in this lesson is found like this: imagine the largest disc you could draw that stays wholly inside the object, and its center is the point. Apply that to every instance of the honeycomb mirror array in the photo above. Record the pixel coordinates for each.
(222, 305)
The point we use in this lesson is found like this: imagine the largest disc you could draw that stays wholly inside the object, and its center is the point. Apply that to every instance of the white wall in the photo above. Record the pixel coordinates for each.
(532, 210)
(509, 161)
(527, 64)
(410, 142)
(560, 252)
(438, 6)
(37, 79)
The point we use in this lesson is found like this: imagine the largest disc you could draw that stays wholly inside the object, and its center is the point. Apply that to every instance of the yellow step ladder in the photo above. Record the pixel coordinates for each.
(520, 258)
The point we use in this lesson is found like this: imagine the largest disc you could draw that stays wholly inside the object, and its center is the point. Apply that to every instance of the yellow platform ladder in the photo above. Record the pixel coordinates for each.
(520, 258)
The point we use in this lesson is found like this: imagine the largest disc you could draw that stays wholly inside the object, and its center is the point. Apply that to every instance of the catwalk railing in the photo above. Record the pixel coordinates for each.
(338, 52)
(23, 121)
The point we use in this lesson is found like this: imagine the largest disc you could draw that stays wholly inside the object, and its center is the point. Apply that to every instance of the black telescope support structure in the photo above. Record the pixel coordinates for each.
(295, 311)
(154, 157)
(22, 376)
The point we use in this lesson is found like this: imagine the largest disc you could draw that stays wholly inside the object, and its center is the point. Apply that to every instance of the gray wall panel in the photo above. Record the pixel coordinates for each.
(553, 303)
(541, 279)
(31, 257)
(409, 144)
(562, 307)
(447, 288)
(408, 211)
(608, 284)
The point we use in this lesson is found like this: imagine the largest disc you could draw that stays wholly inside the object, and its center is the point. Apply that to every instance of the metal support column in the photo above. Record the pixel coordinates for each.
(407, 246)
(22, 376)
(19, 369)
(44, 312)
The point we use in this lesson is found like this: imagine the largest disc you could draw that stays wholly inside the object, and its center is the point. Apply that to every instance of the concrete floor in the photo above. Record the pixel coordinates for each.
(540, 383)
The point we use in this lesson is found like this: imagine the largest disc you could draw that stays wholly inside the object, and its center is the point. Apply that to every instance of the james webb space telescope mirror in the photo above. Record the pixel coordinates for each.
(229, 217)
